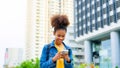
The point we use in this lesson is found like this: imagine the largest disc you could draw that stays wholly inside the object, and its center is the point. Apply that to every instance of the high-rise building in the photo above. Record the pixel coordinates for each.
(13, 57)
(39, 30)
(53, 8)
(59, 7)
(97, 24)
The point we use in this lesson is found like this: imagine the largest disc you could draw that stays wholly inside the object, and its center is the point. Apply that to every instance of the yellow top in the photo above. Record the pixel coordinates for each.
(60, 62)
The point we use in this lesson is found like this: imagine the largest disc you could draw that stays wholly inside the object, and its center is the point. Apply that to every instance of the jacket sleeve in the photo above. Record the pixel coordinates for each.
(44, 63)
(69, 65)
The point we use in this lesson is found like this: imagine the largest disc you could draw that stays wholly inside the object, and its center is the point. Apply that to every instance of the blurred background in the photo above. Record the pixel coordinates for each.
(12, 26)
(93, 34)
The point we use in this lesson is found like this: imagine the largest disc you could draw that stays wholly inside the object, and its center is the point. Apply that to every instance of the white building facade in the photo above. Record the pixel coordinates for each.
(13, 57)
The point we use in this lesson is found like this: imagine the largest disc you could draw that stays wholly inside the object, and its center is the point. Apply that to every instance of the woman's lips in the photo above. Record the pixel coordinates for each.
(60, 40)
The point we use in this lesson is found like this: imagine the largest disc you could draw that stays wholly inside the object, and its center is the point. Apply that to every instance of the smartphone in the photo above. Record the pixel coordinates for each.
(64, 52)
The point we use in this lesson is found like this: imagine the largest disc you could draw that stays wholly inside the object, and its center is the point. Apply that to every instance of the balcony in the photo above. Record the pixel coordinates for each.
(78, 52)
(76, 45)
(76, 60)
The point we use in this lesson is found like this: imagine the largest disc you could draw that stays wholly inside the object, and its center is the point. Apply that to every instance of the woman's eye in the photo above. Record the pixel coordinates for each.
(58, 35)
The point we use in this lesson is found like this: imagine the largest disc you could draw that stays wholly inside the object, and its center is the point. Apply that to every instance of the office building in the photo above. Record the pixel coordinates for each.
(97, 24)
(13, 57)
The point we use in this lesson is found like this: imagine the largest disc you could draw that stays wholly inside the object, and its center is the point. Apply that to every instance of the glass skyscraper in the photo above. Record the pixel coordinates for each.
(94, 14)
(97, 24)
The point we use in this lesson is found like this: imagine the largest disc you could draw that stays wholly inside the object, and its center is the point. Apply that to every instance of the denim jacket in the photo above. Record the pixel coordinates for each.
(44, 63)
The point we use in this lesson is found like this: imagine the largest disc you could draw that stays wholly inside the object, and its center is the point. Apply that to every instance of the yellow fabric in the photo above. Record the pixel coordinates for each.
(60, 62)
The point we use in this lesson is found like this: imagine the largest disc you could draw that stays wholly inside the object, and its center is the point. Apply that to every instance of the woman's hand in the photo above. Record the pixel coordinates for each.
(57, 56)
(66, 57)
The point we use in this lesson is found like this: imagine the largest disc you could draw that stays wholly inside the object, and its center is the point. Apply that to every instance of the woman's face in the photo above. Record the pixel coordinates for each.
(59, 35)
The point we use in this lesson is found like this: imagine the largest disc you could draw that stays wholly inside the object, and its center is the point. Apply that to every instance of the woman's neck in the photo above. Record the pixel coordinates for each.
(58, 43)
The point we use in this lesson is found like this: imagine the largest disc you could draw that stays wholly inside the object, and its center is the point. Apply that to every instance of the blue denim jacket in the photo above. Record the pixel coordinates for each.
(44, 63)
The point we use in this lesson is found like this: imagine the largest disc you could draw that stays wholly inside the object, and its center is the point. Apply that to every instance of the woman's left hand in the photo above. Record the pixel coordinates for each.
(66, 57)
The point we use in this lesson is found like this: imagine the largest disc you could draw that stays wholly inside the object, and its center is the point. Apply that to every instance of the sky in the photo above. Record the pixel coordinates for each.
(12, 25)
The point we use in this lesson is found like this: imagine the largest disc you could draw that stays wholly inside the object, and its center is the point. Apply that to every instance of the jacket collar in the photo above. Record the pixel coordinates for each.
(53, 45)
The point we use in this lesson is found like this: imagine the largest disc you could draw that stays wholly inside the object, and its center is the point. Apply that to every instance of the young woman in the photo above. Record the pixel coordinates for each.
(53, 54)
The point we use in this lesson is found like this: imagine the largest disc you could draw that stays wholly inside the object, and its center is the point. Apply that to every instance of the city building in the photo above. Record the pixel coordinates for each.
(13, 57)
(37, 28)
(59, 7)
(97, 24)
(39, 31)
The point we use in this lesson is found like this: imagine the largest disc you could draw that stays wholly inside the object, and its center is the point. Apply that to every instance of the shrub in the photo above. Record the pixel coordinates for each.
(29, 64)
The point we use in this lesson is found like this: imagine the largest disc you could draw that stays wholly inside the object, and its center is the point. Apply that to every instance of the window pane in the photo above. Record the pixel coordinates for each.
(118, 16)
(104, 10)
(110, 7)
(117, 4)
(111, 18)
(98, 4)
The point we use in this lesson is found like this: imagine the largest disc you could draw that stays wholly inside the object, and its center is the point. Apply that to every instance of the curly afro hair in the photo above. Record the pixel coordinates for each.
(59, 22)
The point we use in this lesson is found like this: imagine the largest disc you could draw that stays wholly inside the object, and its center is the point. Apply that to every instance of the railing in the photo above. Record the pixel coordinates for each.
(106, 65)
(102, 65)
(78, 52)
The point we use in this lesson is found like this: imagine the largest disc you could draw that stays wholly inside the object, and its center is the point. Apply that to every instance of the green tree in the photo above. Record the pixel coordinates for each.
(30, 64)
(116, 67)
(83, 65)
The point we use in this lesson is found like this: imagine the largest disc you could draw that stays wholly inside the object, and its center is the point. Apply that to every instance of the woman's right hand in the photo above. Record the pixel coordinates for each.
(56, 57)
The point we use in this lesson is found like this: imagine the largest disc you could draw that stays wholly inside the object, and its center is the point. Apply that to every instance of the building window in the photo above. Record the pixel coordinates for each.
(102, 49)
(88, 10)
(86, 24)
(88, 28)
(98, 14)
(118, 16)
(108, 20)
(88, 1)
(111, 7)
(105, 21)
(93, 16)
(117, 3)
(84, 31)
(83, 4)
(37, 9)
(37, 20)
(83, 13)
(104, 10)
(78, 33)
(93, 26)
(37, 33)
(37, 43)
(92, 6)
(37, 36)
(37, 29)
(103, 1)
(114, 7)
(98, 4)
(99, 24)
(88, 19)
(83, 22)
(111, 19)
(37, 40)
